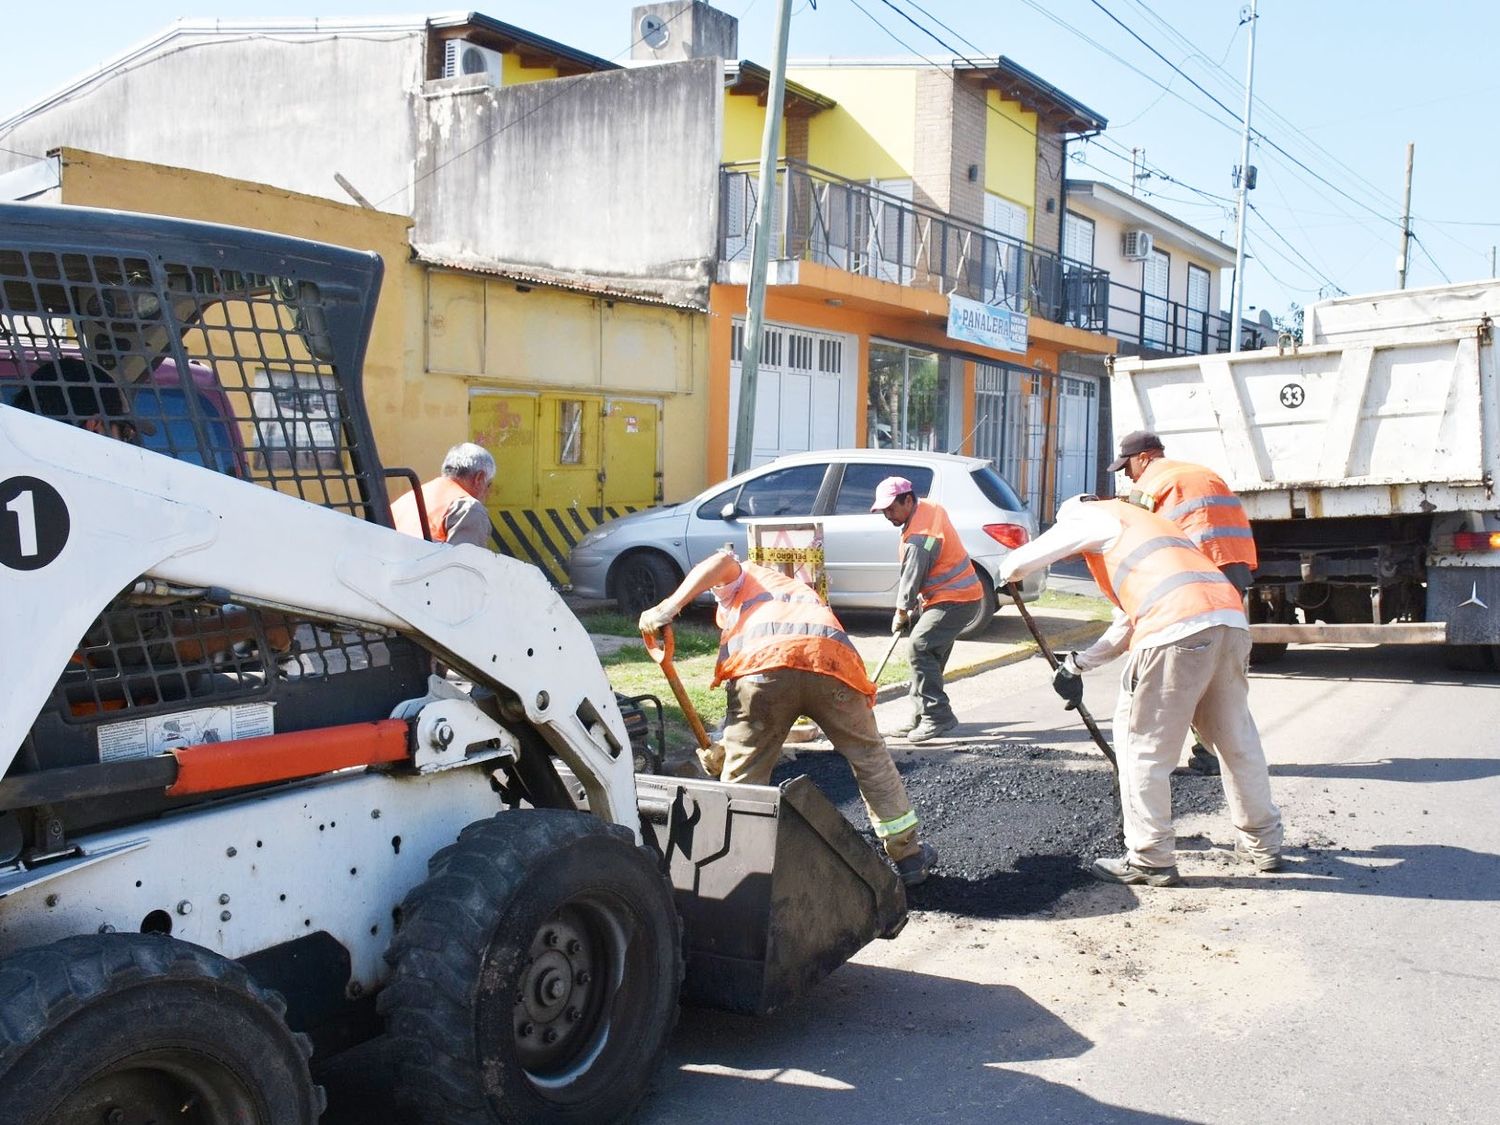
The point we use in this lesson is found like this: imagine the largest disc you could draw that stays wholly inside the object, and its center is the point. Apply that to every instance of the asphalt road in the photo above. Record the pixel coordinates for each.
(1360, 985)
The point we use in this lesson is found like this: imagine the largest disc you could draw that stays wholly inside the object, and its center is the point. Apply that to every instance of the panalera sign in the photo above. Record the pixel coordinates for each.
(991, 325)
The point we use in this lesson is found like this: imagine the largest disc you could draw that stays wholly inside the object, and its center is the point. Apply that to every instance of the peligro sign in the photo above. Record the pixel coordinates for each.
(991, 325)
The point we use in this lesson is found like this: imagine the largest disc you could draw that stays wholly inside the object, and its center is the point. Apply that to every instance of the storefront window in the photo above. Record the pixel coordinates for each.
(911, 403)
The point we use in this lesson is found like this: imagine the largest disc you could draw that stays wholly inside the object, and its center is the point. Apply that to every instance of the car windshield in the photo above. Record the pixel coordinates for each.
(996, 491)
(857, 490)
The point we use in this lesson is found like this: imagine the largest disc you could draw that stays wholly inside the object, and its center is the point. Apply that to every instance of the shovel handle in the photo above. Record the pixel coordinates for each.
(662, 653)
(1055, 663)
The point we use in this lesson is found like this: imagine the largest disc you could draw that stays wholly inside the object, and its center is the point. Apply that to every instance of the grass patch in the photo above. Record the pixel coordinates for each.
(1098, 609)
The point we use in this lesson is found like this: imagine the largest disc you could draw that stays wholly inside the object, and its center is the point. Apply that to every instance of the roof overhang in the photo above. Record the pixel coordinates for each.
(1015, 83)
(744, 77)
(1090, 195)
(533, 50)
(603, 289)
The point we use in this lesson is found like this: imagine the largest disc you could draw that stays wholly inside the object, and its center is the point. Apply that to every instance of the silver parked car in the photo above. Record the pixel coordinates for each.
(639, 559)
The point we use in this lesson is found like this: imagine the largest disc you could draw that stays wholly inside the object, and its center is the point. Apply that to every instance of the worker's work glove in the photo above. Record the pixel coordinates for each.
(655, 619)
(711, 758)
(1068, 683)
(900, 622)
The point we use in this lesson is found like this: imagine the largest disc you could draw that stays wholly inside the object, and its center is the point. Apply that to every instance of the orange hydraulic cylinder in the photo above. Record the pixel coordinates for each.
(216, 766)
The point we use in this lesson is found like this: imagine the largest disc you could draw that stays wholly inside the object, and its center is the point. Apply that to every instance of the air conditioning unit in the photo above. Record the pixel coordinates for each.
(461, 58)
(1136, 245)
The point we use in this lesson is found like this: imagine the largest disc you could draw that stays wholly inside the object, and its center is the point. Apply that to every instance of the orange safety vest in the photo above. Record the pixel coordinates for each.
(779, 622)
(1198, 501)
(1156, 575)
(438, 495)
(951, 577)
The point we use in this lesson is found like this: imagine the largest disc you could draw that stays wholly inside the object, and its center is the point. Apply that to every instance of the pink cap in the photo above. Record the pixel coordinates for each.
(888, 491)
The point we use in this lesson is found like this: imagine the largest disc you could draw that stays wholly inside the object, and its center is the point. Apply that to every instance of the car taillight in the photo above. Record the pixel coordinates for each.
(1473, 540)
(1010, 535)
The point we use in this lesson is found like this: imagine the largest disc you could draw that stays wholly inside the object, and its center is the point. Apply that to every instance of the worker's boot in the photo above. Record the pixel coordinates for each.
(902, 727)
(916, 867)
(1264, 861)
(930, 728)
(1122, 870)
(1203, 761)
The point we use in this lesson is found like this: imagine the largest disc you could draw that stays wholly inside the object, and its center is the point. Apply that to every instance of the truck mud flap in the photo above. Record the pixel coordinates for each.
(775, 888)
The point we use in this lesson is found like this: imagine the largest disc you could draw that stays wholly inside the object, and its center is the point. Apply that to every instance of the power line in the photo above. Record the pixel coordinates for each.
(1256, 211)
(1430, 258)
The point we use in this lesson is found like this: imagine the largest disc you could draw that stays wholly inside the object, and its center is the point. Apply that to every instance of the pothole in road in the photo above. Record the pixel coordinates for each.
(1016, 825)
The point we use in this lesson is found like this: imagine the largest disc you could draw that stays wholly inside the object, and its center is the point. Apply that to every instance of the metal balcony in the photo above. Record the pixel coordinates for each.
(852, 226)
(1145, 325)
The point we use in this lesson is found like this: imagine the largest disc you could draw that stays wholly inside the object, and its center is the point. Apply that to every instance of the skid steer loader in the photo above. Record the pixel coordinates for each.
(275, 777)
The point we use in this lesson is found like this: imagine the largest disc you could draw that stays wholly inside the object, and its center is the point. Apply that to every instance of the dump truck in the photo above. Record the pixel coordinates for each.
(276, 778)
(1366, 456)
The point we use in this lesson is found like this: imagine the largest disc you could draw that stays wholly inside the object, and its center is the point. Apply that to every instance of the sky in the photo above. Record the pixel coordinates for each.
(1341, 87)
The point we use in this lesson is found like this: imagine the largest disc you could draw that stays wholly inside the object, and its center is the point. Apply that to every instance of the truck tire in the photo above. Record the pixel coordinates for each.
(535, 974)
(984, 609)
(642, 579)
(151, 1027)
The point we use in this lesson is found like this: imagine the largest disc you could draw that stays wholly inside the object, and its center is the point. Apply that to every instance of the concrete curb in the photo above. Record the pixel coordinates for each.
(1085, 633)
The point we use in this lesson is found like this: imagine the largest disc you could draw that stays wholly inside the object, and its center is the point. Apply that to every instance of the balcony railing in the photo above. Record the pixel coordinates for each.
(852, 226)
(1144, 324)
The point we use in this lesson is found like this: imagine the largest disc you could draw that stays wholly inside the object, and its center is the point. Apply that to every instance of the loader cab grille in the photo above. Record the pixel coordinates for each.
(253, 375)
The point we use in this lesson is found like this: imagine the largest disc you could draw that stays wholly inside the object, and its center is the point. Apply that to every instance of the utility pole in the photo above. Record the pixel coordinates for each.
(1134, 178)
(755, 297)
(1405, 222)
(1237, 308)
(1492, 261)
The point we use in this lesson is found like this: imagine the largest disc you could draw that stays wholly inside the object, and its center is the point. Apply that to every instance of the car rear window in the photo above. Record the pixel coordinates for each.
(857, 492)
(996, 491)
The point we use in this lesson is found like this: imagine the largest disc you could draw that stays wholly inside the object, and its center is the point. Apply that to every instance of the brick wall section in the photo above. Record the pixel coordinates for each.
(796, 138)
(932, 156)
(971, 119)
(1047, 229)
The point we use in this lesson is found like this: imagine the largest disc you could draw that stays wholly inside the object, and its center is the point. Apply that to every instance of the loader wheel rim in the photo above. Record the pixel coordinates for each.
(177, 1085)
(575, 974)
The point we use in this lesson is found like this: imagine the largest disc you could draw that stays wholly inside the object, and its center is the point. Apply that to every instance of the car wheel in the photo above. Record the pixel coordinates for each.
(643, 579)
(984, 608)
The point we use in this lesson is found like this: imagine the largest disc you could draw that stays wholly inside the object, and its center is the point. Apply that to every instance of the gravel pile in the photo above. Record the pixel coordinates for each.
(1016, 824)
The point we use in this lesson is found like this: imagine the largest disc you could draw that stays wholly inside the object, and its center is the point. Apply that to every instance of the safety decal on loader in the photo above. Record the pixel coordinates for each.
(33, 523)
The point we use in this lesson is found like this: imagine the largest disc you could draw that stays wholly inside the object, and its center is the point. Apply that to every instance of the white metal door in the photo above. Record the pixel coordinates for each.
(1077, 436)
(804, 397)
(1197, 308)
(1155, 277)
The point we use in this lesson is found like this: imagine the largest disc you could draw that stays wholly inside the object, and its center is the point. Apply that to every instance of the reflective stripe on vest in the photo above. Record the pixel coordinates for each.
(1155, 574)
(951, 577)
(778, 622)
(1199, 502)
(438, 495)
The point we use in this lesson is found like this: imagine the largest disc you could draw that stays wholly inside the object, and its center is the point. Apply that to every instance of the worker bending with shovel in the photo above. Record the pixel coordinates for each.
(1184, 625)
(783, 654)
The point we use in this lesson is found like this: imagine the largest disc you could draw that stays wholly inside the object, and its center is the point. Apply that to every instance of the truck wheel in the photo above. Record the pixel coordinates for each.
(984, 609)
(536, 974)
(643, 579)
(133, 1028)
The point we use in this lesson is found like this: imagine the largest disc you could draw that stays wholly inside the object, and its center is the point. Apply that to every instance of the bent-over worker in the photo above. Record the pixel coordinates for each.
(454, 500)
(937, 590)
(1198, 501)
(1189, 642)
(783, 654)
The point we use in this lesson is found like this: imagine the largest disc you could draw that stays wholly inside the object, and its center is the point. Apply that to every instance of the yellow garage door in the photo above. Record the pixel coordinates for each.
(567, 462)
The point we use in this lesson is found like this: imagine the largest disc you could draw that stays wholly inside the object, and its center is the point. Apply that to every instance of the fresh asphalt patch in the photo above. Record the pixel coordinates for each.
(1015, 825)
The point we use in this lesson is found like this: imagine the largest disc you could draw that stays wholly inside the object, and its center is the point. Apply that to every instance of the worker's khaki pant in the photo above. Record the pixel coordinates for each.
(762, 709)
(1199, 681)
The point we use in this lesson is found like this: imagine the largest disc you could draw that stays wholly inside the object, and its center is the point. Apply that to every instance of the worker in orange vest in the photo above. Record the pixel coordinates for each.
(783, 654)
(935, 597)
(1198, 501)
(1184, 625)
(454, 500)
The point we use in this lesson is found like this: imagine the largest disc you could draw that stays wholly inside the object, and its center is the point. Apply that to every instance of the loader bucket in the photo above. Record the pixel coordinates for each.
(775, 888)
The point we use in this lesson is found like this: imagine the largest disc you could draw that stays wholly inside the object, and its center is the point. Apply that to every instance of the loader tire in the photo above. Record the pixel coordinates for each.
(535, 974)
(142, 1027)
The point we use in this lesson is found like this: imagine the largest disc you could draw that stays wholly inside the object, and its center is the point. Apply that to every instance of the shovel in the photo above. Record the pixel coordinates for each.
(1041, 643)
(886, 659)
(710, 754)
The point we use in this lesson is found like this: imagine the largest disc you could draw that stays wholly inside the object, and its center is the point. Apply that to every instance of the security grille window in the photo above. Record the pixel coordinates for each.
(570, 432)
(736, 343)
(831, 356)
(799, 351)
